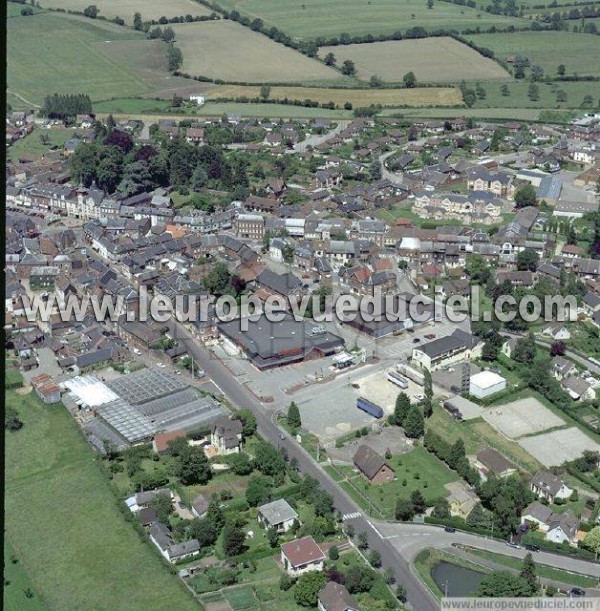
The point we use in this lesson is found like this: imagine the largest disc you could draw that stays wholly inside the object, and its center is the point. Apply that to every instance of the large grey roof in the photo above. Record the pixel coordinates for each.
(277, 512)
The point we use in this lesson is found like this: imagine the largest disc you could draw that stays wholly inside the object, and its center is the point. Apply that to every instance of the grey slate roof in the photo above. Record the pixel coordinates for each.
(368, 461)
(277, 512)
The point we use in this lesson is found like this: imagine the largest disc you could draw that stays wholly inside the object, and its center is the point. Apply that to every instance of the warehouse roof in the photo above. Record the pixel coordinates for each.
(486, 379)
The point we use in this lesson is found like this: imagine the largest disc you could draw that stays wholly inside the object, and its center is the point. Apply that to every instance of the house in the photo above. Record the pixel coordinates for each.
(372, 465)
(491, 461)
(591, 303)
(302, 555)
(140, 500)
(446, 350)
(508, 347)
(200, 505)
(563, 527)
(46, 389)
(578, 389)
(226, 435)
(335, 597)
(557, 331)
(549, 486)
(461, 499)
(147, 516)
(160, 443)
(278, 515)
(160, 535)
(561, 367)
(536, 513)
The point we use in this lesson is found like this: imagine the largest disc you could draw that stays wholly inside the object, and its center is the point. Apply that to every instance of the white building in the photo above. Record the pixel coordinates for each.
(302, 555)
(196, 97)
(278, 515)
(486, 383)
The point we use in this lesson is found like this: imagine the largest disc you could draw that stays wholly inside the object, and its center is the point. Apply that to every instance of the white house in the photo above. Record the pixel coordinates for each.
(557, 331)
(578, 389)
(226, 435)
(160, 535)
(302, 555)
(536, 513)
(278, 515)
(276, 248)
(549, 486)
(563, 527)
(196, 97)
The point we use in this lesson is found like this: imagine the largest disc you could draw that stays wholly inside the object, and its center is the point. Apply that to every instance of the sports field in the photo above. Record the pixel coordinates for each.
(127, 8)
(311, 18)
(229, 51)
(55, 52)
(579, 53)
(426, 96)
(63, 522)
(435, 60)
(556, 447)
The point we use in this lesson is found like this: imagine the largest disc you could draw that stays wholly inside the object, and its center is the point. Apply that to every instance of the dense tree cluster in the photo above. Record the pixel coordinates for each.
(62, 106)
(454, 455)
(408, 416)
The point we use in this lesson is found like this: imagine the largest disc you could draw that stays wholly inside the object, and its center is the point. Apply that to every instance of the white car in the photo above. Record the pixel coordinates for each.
(419, 397)
(161, 365)
(137, 352)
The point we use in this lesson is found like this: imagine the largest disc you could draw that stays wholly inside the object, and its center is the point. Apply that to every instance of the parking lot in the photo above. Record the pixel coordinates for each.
(556, 447)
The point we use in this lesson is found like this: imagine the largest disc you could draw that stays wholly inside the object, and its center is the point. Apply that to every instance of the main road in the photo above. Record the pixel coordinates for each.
(419, 596)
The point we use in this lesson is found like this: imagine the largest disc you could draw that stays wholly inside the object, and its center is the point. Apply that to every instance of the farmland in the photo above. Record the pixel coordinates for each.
(229, 51)
(427, 96)
(431, 59)
(57, 499)
(127, 8)
(109, 59)
(577, 52)
(312, 18)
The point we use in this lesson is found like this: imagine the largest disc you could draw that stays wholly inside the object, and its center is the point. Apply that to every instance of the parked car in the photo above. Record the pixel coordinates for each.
(532, 548)
(511, 544)
(416, 340)
(450, 529)
(419, 397)
(137, 352)
(576, 592)
(161, 365)
(430, 335)
(355, 385)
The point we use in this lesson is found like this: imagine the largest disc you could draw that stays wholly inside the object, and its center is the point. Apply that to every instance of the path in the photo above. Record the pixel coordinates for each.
(18, 95)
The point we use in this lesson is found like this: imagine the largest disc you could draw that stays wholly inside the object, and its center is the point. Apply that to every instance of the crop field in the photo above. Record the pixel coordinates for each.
(64, 525)
(54, 52)
(229, 51)
(311, 18)
(426, 96)
(435, 60)
(579, 53)
(127, 8)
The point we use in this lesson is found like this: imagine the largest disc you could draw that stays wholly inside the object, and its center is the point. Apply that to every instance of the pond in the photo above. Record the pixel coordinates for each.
(458, 580)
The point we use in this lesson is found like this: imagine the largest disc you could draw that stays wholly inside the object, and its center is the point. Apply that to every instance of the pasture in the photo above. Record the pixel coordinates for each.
(579, 53)
(312, 18)
(127, 8)
(63, 522)
(426, 96)
(435, 60)
(55, 52)
(229, 51)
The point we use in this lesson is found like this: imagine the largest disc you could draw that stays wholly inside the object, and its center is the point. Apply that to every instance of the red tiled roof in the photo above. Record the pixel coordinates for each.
(302, 551)
(162, 439)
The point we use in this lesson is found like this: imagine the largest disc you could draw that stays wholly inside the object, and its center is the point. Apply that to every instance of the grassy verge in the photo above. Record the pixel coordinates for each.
(19, 592)
(63, 518)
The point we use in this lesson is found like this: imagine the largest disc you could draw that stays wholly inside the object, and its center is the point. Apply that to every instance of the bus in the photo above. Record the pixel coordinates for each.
(397, 379)
(370, 408)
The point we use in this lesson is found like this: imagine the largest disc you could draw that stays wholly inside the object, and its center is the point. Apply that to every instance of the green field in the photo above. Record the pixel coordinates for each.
(127, 8)
(52, 52)
(64, 523)
(32, 144)
(229, 51)
(132, 105)
(435, 60)
(18, 585)
(14, 10)
(312, 18)
(579, 53)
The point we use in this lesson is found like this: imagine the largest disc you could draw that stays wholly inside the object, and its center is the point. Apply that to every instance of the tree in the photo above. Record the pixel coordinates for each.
(163, 506)
(525, 350)
(348, 68)
(26, 11)
(329, 59)
(241, 463)
(498, 584)
(268, 460)
(456, 454)
(218, 280)
(272, 537)
(12, 422)
(359, 579)
(561, 70)
(430, 4)
(441, 509)
(404, 510)
(401, 593)
(558, 348)
(233, 540)
(588, 101)
(258, 491)
(375, 170)
(375, 558)
(334, 554)
(388, 575)
(504, 90)
(375, 82)
(410, 80)
(174, 57)
(137, 22)
(533, 92)
(525, 196)
(307, 587)
(528, 259)
(265, 92)
(91, 11)
(214, 514)
(293, 416)
(528, 573)
(428, 392)
(414, 424)
(401, 409)
(248, 421)
(418, 501)
(592, 541)
(285, 582)
(193, 467)
(363, 540)
(489, 352)
(561, 96)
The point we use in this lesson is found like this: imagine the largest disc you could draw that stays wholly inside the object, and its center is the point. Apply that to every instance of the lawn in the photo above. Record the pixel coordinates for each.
(584, 338)
(132, 105)
(33, 146)
(417, 470)
(127, 8)
(543, 571)
(64, 521)
(229, 51)
(577, 52)
(522, 114)
(19, 594)
(14, 10)
(436, 60)
(424, 96)
(312, 18)
(52, 52)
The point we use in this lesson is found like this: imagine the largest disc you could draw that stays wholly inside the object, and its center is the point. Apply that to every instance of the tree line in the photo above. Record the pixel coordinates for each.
(62, 106)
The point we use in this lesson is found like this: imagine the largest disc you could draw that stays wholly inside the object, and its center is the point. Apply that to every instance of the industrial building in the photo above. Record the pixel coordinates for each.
(486, 383)
(134, 408)
(273, 344)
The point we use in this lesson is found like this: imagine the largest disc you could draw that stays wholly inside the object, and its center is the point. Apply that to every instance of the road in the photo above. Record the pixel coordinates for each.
(419, 597)
(316, 139)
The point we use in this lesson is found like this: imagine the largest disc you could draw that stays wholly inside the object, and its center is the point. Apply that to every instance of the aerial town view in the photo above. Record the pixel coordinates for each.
(302, 305)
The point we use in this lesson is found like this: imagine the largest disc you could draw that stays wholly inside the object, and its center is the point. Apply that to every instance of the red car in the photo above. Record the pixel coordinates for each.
(430, 336)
